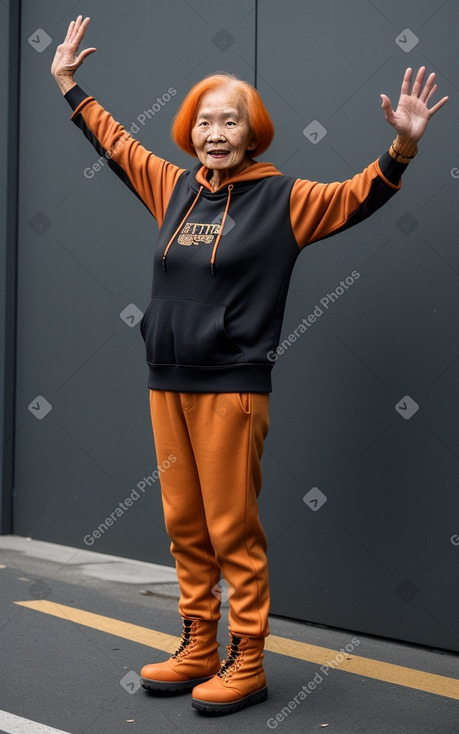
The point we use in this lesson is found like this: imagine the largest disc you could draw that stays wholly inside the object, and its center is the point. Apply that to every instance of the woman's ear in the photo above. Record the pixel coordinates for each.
(253, 143)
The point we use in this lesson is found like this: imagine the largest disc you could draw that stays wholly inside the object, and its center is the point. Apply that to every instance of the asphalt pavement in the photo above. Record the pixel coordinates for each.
(77, 626)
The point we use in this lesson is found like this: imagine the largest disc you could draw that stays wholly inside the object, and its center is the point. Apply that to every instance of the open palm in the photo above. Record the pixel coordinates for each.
(66, 61)
(412, 114)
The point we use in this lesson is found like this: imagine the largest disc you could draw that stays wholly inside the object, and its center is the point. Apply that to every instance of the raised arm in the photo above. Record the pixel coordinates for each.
(66, 61)
(320, 210)
(149, 177)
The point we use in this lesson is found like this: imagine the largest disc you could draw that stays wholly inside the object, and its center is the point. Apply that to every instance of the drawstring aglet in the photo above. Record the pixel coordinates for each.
(212, 268)
(164, 264)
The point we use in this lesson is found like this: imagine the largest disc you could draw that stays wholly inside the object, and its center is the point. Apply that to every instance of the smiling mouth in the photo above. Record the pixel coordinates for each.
(218, 153)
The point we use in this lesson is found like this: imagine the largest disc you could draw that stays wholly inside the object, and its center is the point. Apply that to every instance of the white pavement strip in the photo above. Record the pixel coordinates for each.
(11, 724)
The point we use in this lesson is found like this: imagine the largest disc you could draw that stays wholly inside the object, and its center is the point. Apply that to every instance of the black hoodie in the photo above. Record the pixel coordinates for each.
(223, 259)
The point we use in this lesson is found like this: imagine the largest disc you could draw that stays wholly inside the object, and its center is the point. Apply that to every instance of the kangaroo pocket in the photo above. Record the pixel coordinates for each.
(187, 331)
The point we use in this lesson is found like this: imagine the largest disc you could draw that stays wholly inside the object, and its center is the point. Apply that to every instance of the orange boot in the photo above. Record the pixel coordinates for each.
(195, 661)
(240, 682)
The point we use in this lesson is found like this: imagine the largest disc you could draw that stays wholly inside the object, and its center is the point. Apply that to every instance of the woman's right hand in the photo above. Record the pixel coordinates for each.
(66, 61)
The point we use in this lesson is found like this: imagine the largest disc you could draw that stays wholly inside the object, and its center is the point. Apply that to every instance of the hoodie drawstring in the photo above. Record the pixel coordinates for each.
(169, 244)
(219, 236)
(222, 226)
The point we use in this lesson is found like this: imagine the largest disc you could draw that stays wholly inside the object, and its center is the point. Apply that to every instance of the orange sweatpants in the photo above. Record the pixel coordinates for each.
(210, 500)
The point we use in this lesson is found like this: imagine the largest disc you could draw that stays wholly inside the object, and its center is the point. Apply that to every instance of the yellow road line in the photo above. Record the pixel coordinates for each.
(386, 672)
(142, 635)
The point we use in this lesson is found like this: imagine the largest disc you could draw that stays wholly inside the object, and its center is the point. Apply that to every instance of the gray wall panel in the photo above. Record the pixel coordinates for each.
(87, 255)
(9, 89)
(377, 555)
(4, 90)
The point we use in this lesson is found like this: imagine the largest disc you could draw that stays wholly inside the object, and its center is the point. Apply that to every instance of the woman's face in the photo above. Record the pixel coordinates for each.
(221, 135)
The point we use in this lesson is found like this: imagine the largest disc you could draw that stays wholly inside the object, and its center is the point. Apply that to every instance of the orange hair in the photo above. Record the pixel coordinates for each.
(259, 119)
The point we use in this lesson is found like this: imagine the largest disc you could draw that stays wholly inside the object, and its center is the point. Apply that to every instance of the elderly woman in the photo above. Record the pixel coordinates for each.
(231, 230)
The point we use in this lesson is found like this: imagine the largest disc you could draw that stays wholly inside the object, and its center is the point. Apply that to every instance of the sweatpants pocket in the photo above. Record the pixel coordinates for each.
(244, 401)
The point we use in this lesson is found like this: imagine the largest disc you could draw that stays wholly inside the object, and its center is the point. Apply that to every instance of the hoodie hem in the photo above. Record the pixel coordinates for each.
(243, 378)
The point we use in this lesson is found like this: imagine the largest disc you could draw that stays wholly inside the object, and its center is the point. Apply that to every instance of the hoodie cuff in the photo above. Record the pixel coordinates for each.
(75, 97)
(391, 169)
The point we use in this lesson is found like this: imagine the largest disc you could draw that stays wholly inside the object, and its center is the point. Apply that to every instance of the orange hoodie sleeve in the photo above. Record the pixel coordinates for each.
(152, 179)
(320, 210)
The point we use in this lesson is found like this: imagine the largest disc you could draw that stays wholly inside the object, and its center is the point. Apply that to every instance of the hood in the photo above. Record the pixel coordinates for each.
(251, 173)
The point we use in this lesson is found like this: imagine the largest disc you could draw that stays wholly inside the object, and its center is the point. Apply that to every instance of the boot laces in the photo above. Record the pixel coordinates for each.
(186, 641)
(233, 661)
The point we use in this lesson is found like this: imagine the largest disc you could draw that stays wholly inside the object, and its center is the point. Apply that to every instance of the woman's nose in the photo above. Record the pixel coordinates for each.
(215, 134)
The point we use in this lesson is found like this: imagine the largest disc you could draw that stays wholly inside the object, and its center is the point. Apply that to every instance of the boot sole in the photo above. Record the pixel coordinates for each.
(220, 709)
(161, 686)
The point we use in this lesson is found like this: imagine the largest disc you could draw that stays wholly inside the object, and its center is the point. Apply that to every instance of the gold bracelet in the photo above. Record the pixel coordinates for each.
(399, 157)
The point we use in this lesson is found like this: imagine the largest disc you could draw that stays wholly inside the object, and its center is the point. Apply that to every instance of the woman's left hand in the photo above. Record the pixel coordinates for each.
(412, 114)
